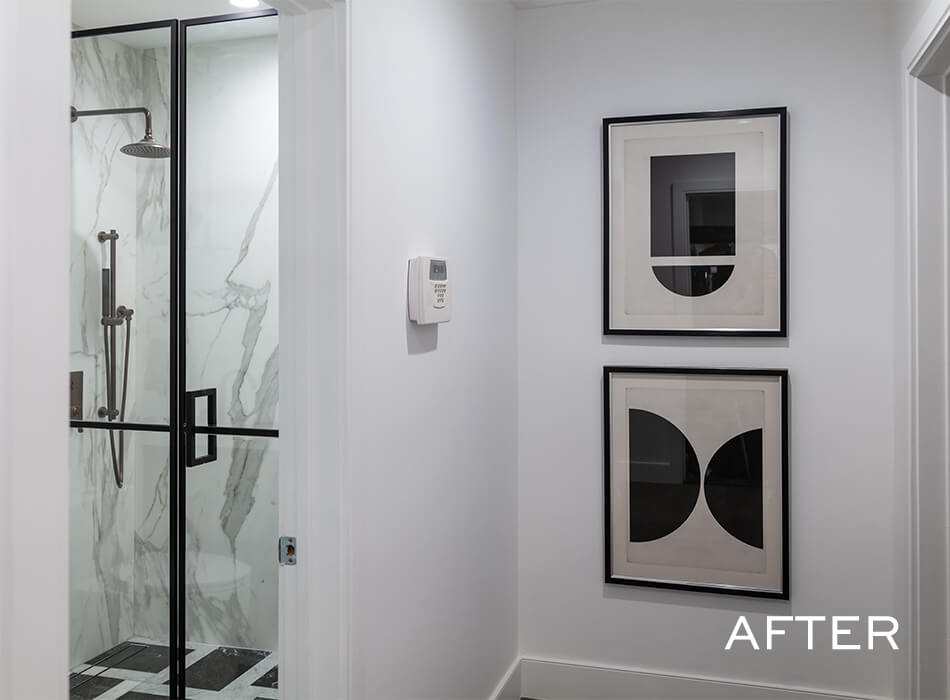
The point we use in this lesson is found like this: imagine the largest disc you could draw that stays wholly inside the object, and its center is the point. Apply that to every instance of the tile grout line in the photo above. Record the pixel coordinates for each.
(118, 691)
(240, 688)
(252, 674)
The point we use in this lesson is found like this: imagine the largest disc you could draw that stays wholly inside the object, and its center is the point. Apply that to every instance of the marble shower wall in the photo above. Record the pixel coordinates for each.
(151, 532)
(231, 312)
(106, 74)
(119, 539)
(232, 334)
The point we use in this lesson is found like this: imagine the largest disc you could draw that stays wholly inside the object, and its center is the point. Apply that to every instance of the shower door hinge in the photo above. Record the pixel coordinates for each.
(287, 551)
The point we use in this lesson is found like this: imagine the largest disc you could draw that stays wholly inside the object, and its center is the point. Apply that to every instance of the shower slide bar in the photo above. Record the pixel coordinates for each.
(112, 318)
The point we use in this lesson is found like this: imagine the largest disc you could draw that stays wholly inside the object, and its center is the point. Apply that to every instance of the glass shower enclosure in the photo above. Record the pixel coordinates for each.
(174, 358)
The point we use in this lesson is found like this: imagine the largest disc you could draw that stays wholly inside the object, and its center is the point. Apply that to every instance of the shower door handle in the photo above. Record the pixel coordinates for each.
(191, 400)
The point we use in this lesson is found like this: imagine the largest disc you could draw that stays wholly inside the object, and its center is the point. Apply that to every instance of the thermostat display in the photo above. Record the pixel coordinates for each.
(429, 298)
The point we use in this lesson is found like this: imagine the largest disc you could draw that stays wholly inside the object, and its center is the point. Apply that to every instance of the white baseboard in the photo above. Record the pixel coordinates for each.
(509, 687)
(558, 679)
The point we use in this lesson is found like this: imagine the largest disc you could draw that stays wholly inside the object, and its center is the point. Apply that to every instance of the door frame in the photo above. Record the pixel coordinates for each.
(314, 204)
(922, 439)
(313, 259)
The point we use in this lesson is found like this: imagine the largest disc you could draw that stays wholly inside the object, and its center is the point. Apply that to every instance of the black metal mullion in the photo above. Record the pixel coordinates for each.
(120, 425)
(176, 536)
(229, 17)
(235, 431)
(121, 28)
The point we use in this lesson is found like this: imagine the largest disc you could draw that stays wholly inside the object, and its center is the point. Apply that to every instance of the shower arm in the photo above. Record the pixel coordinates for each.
(77, 113)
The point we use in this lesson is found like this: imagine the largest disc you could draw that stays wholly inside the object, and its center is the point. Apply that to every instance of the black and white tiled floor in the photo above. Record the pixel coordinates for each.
(138, 670)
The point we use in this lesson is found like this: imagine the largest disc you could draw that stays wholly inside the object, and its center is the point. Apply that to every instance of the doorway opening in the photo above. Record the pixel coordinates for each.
(174, 359)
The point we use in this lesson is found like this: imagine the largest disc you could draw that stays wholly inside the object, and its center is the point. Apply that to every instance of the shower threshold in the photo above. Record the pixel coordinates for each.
(138, 670)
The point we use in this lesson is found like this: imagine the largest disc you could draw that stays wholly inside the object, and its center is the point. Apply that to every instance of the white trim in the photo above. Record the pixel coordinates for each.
(509, 687)
(562, 679)
(34, 352)
(346, 557)
(905, 443)
(925, 64)
(299, 7)
(926, 36)
(313, 627)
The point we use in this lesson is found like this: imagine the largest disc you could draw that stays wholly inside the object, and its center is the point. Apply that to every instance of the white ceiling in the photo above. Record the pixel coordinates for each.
(102, 13)
(89, 14)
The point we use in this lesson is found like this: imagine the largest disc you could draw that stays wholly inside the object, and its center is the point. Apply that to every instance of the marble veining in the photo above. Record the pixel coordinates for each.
(232, 336)
(231, 344)
(105, 74)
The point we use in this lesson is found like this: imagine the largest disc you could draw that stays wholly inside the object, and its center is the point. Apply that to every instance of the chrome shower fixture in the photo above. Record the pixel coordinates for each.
(112, 317)
(148, 147)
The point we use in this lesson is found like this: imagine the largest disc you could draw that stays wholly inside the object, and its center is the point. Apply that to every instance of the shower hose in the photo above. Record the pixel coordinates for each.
(118, 458)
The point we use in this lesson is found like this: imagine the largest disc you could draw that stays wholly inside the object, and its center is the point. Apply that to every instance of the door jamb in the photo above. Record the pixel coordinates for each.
(313, 341)
(922, 435)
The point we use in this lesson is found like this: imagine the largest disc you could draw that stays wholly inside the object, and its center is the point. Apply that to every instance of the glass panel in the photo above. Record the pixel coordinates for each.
(231, 568)
(127, 194)
(119, 578)
(119, 497)
(231, 217)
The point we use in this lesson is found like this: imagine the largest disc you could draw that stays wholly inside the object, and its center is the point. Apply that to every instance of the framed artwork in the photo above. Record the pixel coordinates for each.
(696, 479)
(695, 223)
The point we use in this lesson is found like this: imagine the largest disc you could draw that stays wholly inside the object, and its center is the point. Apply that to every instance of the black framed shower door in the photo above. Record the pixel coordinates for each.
(186, 425)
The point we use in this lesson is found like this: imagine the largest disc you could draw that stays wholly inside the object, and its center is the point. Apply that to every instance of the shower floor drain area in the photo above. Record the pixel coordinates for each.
(138, 670)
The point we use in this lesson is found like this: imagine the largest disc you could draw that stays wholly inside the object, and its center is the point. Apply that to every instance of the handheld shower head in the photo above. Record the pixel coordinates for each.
(148, 147)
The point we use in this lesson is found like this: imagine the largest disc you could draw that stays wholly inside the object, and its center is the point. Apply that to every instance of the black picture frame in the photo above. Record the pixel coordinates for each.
(609, 577)
(782, 114)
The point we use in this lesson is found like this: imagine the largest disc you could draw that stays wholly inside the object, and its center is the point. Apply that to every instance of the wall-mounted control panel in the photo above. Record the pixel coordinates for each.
(430, 299)
(75, 395)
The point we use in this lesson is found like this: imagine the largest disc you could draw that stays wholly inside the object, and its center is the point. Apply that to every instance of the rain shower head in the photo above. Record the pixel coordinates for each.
(146, 148)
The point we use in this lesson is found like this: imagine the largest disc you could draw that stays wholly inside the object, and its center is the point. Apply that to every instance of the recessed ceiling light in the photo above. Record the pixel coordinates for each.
(246, 4)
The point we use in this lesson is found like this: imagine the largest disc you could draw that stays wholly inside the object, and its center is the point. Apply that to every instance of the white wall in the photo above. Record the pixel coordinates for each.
(34, 299)
(909, 13)
(431, 433)
(832, 65)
